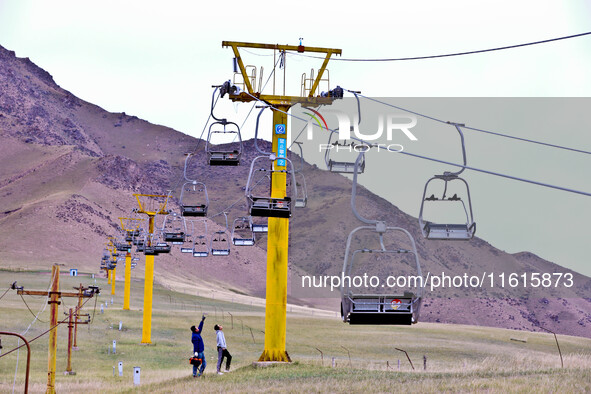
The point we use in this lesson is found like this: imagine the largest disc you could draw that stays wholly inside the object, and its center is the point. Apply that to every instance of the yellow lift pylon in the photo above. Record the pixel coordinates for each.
(113, 250)
(150, 205)
(129, 226)
(278, 228)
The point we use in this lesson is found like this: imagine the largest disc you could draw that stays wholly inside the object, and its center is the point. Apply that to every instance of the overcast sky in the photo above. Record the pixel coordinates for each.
(158, 60)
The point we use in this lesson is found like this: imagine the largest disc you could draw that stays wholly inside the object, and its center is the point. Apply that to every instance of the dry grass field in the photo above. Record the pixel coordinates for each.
(459, 358)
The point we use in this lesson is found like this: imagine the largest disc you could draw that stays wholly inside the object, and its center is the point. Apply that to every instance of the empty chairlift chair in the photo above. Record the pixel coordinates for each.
(174, 229)
(260, 227)
(266, 205)
(242, 234)
(223, 157)
(401, 307)
(302, 196)
(200, 246)
(194, 200)
(456, 230)
(448, 231)
(220, 244)
(342, 166)
(187, 245)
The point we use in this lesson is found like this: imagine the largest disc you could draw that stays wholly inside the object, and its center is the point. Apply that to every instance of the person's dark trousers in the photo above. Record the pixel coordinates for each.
(221, 354)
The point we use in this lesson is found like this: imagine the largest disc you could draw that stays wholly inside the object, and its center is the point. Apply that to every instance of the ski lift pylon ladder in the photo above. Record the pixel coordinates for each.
(446, 231)
(390, 308)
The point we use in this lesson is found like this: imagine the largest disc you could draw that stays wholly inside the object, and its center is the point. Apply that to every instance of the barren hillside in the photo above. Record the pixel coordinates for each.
(68, 170)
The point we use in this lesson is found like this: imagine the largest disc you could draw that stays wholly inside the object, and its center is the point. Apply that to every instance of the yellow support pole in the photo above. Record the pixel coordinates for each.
(53, 309)
(127, 288)
(148, 289)
(113, 281)
(277, 253)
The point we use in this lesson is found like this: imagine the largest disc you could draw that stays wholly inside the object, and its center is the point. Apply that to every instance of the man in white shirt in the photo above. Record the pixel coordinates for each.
(222, 350)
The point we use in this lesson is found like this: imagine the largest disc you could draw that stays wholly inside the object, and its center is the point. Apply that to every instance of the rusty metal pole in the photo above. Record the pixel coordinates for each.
(70, 327)
(80, 290)
(28, 357)
(52, 352)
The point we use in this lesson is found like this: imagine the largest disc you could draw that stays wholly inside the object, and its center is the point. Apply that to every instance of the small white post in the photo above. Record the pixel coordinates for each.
(333, 362)
(111, 300)
(114, 347)
(136, 375)
(120, 368)
(120, 325)
(102, 309)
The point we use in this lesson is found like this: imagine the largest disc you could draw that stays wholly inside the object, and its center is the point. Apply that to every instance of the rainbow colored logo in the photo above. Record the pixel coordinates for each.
(315, 116)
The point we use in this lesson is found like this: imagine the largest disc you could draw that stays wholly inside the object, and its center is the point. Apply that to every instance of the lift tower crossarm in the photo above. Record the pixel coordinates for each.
(272, 98)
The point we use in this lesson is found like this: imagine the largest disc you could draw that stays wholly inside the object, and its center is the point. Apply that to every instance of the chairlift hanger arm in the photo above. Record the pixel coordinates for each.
(458, 128)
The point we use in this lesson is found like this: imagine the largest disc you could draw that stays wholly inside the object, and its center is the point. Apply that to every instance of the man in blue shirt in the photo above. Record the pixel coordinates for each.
(198, 347)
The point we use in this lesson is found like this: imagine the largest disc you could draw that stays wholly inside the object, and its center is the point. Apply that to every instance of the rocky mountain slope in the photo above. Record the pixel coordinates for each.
(68, 170)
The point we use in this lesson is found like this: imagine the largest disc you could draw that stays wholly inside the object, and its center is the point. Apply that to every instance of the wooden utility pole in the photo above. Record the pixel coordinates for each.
(81, 289)
(54, 295)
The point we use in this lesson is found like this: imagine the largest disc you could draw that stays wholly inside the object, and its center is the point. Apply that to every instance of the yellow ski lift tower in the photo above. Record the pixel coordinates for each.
(111, 248)
(151, 205)
(278, 228)
(129, 226)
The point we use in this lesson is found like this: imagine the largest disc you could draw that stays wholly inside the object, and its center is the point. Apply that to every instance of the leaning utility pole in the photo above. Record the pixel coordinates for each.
(278, 227)
(54, 295)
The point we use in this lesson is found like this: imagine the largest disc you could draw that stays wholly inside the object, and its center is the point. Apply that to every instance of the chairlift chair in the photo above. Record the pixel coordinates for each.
(340, 166)
(260, 227)
(194, 200)
(446, 231)
(302, 196)
(162, 247)
(200, 246)
(220, 244)
(242, 234)
(154, 246)
(122, 246)
(217, 156)
(268, 206)
(174, 229)
(392, 308)
(131, 234)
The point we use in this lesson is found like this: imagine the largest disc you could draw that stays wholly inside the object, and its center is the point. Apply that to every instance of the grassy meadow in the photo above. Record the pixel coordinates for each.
(458, 358)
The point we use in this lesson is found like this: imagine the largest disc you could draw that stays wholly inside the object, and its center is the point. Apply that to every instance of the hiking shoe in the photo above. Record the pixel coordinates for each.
(227, 371)
(220, 373)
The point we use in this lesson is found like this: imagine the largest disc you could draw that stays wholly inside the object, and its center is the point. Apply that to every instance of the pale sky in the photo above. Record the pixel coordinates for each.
(158, 60)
